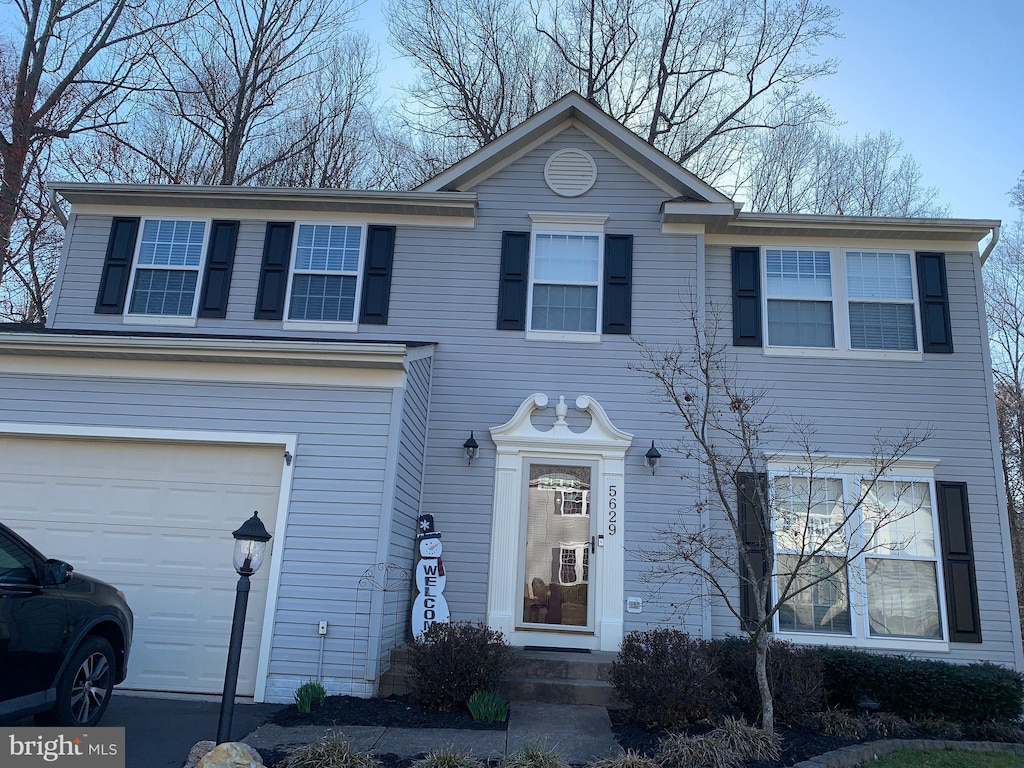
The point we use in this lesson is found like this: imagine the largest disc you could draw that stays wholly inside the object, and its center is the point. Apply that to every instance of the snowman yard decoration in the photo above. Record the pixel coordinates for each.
(430, 606)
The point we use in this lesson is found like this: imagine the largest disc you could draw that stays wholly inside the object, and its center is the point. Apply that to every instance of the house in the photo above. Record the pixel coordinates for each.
(322, 356)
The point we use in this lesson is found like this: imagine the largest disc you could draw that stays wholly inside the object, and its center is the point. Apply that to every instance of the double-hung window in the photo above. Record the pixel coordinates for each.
(880, 289)
(856, 558)
(325, 275)
(168, 260)
(842, 300)
(565, 282)
(799, 291)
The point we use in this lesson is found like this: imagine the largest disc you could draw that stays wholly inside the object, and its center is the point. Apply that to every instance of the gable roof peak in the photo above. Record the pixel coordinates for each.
(574, 110)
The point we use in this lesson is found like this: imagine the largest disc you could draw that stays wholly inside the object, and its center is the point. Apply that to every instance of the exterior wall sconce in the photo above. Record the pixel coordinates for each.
(653, 457)
(472, 448)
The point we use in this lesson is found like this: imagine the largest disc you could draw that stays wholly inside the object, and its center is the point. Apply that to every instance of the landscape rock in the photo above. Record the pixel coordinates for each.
(198, 752)
(231, 754)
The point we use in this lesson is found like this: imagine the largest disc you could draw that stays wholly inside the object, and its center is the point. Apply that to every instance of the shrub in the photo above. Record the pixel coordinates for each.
(795, 677)
(488, 707)
(331, 751)
(534, 756)
(836, 722)
(628, 759)
(448, 757)
(308, 695)
(1013, 734)
(728, 746)
(666, 678)
(887, 725)
(915, 688)
(451, 661)
(936, 728)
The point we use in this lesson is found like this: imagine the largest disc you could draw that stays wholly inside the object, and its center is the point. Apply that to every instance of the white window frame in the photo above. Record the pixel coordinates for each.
(325, 325)
(132, 318)
(852, 474)
(581, 552)
(566, 224)
(840, 307)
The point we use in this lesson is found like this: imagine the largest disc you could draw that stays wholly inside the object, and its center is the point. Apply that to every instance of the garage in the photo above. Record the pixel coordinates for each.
(153, 518)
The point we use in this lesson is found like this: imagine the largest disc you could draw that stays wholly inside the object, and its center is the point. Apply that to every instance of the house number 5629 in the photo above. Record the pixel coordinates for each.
(613, 509)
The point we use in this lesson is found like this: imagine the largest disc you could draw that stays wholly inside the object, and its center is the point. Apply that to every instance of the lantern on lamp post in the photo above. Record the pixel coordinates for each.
(250, 548)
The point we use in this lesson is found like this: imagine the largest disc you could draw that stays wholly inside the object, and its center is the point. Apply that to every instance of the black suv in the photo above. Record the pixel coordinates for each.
(64, 638)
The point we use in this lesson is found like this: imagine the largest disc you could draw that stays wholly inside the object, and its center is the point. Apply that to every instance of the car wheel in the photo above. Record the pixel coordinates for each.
(83, 691)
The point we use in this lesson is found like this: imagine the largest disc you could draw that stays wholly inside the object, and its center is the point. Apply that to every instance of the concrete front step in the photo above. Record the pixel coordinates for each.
(546, 676)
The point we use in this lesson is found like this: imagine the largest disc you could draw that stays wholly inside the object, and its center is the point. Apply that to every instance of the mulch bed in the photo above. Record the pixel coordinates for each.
(797, 743)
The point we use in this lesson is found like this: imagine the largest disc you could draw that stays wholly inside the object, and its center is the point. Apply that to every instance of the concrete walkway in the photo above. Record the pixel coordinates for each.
(579, 734)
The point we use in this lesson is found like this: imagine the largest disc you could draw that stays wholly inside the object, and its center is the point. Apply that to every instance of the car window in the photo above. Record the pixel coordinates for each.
(16, 566)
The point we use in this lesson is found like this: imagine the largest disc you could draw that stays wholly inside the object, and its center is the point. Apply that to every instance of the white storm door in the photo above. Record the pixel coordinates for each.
(556, 588)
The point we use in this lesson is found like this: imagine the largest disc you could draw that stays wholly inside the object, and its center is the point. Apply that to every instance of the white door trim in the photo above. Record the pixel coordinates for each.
(518, 441)
(285, 441)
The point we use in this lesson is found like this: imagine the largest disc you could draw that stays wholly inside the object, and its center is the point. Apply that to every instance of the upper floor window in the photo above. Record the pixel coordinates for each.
(852, 300)
(325, 275)
(565, 282)
(167, 265)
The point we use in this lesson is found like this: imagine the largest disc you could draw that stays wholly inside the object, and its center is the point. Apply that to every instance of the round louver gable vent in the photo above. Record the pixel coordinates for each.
(570, 172)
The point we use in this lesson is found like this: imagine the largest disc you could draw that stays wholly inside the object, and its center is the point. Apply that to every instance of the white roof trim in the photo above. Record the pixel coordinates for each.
(263, 351)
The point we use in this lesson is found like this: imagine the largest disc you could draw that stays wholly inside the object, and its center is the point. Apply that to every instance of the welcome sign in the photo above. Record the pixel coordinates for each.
(430, 605)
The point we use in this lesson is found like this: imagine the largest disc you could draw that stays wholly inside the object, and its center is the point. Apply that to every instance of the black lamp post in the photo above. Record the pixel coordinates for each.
(250, 547)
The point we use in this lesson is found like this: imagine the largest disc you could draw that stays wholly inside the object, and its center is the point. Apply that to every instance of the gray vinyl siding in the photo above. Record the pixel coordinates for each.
(850, 401)
(408, 488)
(444, 290)
(335, 498)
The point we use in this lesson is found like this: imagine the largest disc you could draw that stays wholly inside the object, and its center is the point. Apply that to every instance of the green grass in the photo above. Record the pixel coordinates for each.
(948, 758)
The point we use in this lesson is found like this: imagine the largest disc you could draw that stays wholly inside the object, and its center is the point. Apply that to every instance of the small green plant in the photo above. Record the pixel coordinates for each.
(332, 751)
(448, 757)
(308, 695)
(836, 722)
(488, 707)
(628, 759)
(534, 755)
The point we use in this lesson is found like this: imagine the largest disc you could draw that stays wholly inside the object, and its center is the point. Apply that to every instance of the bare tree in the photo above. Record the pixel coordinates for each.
(697, 78)
(68, 66)
(811, 169)
(482, 67)
(256, 91)
(1004, 301)
(734, 535)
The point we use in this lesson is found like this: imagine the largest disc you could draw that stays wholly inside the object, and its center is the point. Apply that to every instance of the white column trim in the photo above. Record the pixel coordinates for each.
(518, 441)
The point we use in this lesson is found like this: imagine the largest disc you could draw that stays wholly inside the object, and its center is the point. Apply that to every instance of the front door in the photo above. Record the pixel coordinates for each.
(557, 581)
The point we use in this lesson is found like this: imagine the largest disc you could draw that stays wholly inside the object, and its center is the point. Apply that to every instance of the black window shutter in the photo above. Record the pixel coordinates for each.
(513, 286)
(746, 297)
(936, 335)
(220, 259)
(618, 283)
(117, 266)
(277, 254)
(380, 252)
(749, 506)
(958, 563)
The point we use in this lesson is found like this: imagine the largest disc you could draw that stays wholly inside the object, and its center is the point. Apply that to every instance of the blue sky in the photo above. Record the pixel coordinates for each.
(943, 75)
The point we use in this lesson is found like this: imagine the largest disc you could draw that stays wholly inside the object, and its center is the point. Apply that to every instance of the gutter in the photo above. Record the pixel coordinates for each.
(57, 212)
(991, 245)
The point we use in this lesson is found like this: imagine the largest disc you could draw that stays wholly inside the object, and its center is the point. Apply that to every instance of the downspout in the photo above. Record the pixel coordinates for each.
(56, 209)
(991, 244)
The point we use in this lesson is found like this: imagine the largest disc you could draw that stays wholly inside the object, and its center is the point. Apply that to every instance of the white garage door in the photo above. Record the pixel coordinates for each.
(155, 520)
